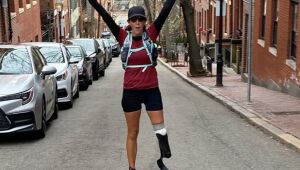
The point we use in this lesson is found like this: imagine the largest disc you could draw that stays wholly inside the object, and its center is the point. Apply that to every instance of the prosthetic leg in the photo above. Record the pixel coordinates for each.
(165, 152)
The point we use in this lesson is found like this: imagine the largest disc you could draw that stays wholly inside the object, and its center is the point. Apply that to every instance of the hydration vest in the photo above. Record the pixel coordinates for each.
(148, 45)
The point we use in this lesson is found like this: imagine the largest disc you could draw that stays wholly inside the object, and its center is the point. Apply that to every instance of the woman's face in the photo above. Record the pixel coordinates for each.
(137, 25)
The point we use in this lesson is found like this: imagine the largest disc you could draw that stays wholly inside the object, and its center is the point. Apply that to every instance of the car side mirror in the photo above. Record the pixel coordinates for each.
(48, 70)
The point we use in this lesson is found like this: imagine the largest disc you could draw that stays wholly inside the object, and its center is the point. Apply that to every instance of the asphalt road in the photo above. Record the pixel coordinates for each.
(204, 135)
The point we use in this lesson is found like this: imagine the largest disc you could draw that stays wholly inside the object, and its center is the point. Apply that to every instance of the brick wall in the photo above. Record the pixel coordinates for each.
(26, 23)
(270, 69)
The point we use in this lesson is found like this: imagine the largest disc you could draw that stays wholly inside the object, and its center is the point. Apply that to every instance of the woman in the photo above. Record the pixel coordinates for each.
(140, 78)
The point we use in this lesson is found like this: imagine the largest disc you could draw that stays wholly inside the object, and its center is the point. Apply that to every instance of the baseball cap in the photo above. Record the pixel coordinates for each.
(136, 11)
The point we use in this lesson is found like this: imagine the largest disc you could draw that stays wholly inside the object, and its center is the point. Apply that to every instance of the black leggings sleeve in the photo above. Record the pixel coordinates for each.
(114, 28)
(163, 15)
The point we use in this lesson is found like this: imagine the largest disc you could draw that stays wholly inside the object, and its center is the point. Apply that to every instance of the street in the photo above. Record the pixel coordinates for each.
(203, 134)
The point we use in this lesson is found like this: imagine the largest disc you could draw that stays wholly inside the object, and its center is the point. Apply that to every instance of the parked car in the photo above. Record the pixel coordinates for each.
(57, 55)
(106, 51)
(97, 56)
(28, 90)
(106, 34)
(114, 46)
(109, 48)
(83, 62)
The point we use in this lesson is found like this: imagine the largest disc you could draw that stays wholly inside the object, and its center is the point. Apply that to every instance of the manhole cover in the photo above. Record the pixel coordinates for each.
(287, 113)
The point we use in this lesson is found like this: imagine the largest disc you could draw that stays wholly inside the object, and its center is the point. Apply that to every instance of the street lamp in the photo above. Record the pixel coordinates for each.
(85, 29)
(59, 8)
(219, 81)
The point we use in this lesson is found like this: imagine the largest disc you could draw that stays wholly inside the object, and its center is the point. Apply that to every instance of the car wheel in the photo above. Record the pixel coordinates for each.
(102, 73)
(41, 133)
(96, 73)
(85, 85)
(70, 103)
(55, 114)
(91, 78)
(77, 93)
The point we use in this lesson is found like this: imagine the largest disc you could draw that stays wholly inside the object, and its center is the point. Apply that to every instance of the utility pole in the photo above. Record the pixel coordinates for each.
(59, 26)
(219, 80)
(59, 7)
(249, 50)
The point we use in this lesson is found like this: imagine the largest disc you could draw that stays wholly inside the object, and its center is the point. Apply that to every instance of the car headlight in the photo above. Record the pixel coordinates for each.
(62, 76)
(26, 96)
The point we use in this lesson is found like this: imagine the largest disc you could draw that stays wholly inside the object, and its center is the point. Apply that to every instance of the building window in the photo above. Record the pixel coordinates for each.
(200, 20)
(241, 11)
(263, 18)
(226, 20)
(205, 21)
(202, 16)
(294, 22)
(275, 22)
(12, 6)
(21, 5)
(28, 2)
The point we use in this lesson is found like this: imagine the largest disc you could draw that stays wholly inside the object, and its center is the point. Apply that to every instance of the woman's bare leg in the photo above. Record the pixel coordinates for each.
(156, 117)
(133, 121)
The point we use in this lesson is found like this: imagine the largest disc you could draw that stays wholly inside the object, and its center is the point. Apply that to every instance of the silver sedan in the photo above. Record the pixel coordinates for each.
(27, 90)
(57, 55)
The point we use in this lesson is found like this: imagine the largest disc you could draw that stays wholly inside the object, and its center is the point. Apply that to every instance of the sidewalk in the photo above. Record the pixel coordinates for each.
(274, 112)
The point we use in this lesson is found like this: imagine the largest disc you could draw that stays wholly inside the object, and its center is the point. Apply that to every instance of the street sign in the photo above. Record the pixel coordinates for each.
(223, 9)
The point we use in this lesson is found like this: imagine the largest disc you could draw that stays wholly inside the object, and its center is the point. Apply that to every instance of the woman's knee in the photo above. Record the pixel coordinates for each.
(133, 134)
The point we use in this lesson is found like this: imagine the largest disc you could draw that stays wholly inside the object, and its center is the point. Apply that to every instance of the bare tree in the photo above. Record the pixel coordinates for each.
(149, 11)
(196, 68)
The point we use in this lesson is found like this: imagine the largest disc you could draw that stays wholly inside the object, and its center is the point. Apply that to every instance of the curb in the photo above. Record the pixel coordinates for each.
(249, 115)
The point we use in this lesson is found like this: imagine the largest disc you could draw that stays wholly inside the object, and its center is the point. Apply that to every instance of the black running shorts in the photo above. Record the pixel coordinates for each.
(132, 100)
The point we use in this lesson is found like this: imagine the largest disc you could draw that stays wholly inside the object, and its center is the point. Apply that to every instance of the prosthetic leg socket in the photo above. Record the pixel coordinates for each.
(165, 151)
(164, 147)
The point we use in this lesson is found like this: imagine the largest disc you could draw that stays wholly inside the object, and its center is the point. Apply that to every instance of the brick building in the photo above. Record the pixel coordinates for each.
(62, 19)
(206, 24)
(276, 49)
(92, 24)
(25, 20)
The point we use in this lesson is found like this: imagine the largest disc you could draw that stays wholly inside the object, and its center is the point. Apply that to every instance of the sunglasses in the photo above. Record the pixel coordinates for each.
(140, 19)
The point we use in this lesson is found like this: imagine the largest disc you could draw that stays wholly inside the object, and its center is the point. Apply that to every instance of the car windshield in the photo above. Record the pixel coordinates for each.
(101, 44)
(106, 43)
(15, 61)
(112, 41)
(88, 45)
(75, 53)
(52, 54)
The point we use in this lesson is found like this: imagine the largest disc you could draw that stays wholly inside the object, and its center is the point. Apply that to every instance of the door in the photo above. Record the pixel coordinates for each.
(47, 83)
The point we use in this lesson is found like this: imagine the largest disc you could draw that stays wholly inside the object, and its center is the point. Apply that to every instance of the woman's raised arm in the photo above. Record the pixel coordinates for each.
(163, 15)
